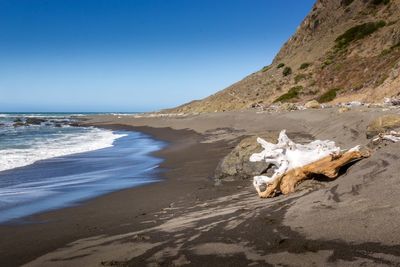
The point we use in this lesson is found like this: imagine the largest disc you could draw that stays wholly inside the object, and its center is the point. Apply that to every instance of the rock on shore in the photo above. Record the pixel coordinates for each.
(236, 164)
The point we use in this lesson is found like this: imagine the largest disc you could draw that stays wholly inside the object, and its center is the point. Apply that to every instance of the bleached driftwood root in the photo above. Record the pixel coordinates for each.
(391, 136)
(296, 162)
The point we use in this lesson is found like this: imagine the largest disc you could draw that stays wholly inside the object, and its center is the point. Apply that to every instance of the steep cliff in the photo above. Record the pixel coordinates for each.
(343, 50)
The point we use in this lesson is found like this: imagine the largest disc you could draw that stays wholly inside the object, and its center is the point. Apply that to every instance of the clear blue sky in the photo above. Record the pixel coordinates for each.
(138, 55)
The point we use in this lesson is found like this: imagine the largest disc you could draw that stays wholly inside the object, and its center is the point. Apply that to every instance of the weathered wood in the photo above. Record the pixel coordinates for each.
(289, 174)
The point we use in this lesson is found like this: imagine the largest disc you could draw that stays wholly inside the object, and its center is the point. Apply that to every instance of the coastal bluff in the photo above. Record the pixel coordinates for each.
(342, 51)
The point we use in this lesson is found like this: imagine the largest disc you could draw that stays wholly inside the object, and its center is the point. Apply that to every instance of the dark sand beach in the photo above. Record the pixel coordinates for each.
(118, 212)
(187, 219)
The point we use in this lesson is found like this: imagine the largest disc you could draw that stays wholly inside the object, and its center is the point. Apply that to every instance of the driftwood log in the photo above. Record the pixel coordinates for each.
(391, 136)
(295, 163)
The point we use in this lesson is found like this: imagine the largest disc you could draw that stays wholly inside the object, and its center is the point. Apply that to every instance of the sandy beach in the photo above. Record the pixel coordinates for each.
(187, 219)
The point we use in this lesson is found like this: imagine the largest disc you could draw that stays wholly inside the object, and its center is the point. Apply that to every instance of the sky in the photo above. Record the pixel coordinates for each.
(138, 55)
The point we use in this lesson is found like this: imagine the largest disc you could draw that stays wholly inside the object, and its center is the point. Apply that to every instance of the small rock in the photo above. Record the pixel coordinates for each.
(312, 104)
(258, 105)
(236, 164)
(18, 124)
(289, 106)
(141, 237)
(343, 109)
(352, 104)
(327, 105)
(34, 121)
(392, 101)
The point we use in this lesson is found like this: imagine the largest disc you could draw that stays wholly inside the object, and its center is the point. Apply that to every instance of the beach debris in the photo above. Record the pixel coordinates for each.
(383, 124)
(293, 163)
(391, 101)
(351, 104)
(279, 107)
(312, 104)
(393, 136)
(156, 115)
(289, 107)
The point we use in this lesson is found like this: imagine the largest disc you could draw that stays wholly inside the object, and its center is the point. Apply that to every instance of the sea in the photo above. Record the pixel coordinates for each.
(47, 162)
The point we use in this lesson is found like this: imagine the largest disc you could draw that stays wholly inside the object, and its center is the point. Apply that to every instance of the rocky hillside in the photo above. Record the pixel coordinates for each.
(343, 50)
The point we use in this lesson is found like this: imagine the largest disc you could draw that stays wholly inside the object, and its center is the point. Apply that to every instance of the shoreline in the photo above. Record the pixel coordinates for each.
(186, 219)
(24, 242)
(49, 135)
(60, 182)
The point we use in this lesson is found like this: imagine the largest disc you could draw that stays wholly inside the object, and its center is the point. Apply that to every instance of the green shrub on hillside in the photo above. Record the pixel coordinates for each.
(300, 77)
(280, 65)
(327, 63)
(305, 65)
(292, 93)
(381, 79)
(264, 69)
(357, 86)
(357, 32)
(287, 71)
(328, 96)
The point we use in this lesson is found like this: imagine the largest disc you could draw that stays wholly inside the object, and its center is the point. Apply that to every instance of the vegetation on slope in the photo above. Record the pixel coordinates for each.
(291, 94)
(328, 96)
(264, 69)
(357, 32)
(287, 71)
(304, 65)
(300, 77)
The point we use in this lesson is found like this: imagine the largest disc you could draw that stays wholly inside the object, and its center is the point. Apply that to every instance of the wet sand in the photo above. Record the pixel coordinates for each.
(120, 211)
(186, 219)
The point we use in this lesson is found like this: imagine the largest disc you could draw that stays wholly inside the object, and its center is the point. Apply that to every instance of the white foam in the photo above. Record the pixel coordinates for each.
(66, 144)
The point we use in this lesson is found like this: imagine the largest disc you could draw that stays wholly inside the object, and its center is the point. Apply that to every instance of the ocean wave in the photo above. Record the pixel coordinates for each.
(37, 115)
(62, 145)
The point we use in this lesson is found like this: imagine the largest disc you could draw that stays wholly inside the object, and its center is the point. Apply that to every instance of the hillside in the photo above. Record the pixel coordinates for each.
(343, 50)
